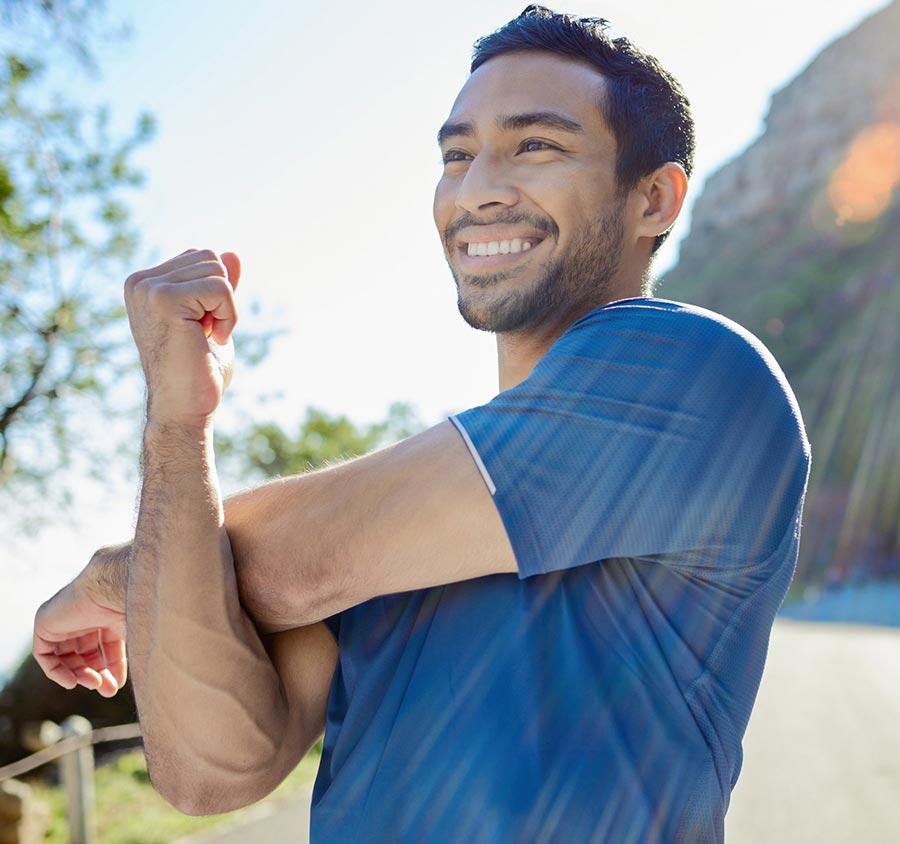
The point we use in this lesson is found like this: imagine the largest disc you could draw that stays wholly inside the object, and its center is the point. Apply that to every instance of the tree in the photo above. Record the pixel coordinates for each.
(64, 243)
(265, 449)
(262, 450)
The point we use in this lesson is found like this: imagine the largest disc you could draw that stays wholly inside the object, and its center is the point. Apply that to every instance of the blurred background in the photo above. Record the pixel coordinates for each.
(302, 136)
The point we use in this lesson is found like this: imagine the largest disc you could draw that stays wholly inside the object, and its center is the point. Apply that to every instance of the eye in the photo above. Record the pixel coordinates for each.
(535, 146)
(454, 155)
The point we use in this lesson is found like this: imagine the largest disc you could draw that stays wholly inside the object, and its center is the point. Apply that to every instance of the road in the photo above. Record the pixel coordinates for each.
(822, 750)
(821, 753)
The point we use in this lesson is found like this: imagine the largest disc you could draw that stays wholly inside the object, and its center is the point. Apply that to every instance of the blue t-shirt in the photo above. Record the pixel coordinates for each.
(650, 475)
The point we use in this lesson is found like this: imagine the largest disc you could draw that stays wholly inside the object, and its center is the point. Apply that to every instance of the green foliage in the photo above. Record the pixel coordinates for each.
(64, 243)
(129, 811)
(265, 449)
(39, 27)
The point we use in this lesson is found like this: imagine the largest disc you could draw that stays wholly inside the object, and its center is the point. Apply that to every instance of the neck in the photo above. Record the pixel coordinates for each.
(519, 351)
(516, 357)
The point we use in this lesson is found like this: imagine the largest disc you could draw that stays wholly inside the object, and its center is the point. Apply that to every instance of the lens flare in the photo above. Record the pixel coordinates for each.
(862, 185)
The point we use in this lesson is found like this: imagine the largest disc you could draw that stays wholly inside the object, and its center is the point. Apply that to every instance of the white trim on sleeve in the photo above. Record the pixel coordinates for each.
(475, 455)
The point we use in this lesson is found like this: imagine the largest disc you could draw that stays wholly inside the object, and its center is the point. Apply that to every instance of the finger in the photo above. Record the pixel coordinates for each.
(87, 643)
(185, 259)
(192, 299)
(233, 267)
(61, 675)
(51, 665)
(209, 301)
(119, 671)
(55, 649)
(92, 659)
(108, 685)
(75, 662)
(222, 329)
(50, 617)
(65, 646)
(45, 655)
(114, 657)
(88, 677)
(191, 272)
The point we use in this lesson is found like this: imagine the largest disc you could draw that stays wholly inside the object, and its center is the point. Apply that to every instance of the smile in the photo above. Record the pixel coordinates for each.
(498, 247)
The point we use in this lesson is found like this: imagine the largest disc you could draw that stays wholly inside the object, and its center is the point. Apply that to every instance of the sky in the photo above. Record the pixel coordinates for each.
(302, 136)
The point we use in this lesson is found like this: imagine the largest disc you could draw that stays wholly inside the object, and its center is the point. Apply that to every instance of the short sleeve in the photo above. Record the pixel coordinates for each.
(649, 429)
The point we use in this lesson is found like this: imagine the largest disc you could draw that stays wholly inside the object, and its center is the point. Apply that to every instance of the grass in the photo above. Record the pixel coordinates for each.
(129, 811)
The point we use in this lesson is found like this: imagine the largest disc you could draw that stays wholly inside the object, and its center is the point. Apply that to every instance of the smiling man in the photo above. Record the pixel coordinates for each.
(544, 620)
(555, 156)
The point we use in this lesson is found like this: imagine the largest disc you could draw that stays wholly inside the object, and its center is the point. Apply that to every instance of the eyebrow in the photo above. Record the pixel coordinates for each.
(512, 122)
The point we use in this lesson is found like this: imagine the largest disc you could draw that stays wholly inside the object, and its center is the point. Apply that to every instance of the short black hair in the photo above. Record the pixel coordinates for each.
(645, 106)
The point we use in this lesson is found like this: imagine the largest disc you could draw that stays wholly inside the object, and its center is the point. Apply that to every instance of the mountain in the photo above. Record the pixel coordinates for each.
(798, 239)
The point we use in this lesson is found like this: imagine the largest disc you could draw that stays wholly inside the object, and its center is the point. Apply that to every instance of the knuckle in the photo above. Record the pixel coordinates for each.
(131, 282)
(158, 296)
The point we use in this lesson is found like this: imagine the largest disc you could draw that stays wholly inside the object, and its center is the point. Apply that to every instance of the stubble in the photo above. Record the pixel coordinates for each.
(581, 276)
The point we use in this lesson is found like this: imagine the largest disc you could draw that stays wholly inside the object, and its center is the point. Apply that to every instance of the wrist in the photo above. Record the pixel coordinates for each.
(179, 430)
(106, 575)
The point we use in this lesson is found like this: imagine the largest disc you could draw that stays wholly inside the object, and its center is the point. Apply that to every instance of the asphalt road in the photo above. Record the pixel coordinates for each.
(822, 750)
(821, 753)
(284, 823)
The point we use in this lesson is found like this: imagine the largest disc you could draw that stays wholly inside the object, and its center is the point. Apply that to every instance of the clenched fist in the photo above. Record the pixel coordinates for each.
(182, 314)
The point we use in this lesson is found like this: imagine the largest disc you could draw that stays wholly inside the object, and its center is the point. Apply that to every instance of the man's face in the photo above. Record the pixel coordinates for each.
(527, 206)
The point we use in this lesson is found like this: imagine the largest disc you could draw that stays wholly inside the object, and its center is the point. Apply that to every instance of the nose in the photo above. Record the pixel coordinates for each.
(487, 184)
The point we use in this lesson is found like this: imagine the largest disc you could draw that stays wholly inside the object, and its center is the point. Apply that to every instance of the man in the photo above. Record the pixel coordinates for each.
(544, 620)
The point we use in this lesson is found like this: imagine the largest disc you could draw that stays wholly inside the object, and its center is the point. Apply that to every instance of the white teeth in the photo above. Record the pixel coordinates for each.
(498, 247)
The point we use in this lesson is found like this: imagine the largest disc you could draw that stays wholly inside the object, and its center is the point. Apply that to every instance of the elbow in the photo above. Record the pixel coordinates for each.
(193, 804)
(205, 798)
(278, 598)
(202, 805)
(203, 792)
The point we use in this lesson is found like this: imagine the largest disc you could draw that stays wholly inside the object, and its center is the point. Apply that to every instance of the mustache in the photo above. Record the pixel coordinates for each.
(542, 224)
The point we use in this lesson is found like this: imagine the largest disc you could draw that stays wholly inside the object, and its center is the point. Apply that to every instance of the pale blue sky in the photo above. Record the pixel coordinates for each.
(304, 139)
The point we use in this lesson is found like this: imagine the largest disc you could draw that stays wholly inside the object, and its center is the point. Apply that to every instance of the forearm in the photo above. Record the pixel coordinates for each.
(260, 557)
(210, 701)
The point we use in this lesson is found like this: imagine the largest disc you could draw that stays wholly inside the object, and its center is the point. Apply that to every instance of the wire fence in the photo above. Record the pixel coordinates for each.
(68, 745)
(71, 746)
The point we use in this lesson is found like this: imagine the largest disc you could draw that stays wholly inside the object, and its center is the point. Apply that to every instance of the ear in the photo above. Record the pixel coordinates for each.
(661, 197)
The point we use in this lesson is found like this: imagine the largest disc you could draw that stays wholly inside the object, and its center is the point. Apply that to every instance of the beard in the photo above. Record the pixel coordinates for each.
(581, 276)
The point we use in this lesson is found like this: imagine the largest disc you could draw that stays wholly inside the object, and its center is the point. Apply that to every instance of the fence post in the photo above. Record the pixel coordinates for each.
(77, 769)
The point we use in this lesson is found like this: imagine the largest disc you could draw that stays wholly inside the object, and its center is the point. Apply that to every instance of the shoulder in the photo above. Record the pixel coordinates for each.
(686, 328)
(658, 343)
(701, 367)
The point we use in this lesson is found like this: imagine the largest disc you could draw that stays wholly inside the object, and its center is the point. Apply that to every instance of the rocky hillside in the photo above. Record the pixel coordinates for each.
(798, 239)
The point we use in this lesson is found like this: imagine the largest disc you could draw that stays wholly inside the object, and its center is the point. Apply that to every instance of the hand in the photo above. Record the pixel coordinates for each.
(79, 638)
(182, 314)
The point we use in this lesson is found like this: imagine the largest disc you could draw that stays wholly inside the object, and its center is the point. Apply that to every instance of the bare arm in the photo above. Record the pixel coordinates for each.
(413, 515)
(225, 714)
(220, 727)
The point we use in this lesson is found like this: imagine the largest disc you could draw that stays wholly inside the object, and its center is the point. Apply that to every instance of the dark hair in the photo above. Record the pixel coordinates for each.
(645, 106)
